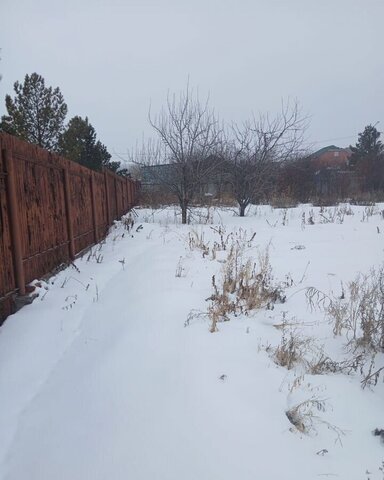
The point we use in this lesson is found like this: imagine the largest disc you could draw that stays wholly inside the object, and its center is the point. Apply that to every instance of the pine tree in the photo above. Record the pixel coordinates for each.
(37, 112)
(368, 145)
(78, 143)
(368, 159)
(102, 155)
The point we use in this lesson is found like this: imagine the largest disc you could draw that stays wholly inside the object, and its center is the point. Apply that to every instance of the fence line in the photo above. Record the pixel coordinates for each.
(50, 210)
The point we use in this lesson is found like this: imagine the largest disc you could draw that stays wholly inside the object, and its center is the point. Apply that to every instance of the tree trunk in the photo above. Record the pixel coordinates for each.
(242, 208)
(183, 214)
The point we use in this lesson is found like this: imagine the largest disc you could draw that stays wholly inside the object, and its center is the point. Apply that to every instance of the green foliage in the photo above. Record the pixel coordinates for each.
(116, 167)
(78, 140)
(36, 114)
(368, 145)
(78, 143)
(368, 159)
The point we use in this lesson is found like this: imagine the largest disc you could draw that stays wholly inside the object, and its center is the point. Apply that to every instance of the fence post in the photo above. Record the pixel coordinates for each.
(129, 193)
(68, 211)
(14, 221)
(93, 200)
(130, 196)
(133, 192)
(127, 202)
(116, 199)
(107, 198)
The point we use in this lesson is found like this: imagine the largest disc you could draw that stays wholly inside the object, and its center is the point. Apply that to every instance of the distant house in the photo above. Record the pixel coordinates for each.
(165, 177)
(331, 156)
(332, 176)
(157, 175)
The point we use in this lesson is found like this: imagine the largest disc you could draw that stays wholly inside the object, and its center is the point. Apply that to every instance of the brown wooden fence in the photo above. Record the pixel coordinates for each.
(50, 210)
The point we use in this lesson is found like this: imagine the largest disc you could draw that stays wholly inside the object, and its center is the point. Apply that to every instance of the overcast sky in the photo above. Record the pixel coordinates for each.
(111, 58)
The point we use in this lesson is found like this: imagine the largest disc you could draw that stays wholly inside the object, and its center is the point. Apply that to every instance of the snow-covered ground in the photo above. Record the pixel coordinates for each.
(108, 375)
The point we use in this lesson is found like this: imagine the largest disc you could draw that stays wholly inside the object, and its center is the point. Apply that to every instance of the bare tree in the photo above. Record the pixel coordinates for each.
(189, 135)
(257, 146)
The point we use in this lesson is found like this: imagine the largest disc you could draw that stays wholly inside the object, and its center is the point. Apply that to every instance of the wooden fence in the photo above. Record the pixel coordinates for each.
(50, 210)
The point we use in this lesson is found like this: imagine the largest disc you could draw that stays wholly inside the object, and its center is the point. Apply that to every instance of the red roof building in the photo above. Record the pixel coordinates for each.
(331, 156)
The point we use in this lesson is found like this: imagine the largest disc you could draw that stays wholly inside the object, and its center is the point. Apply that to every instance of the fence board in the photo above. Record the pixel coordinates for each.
(112, 195)
(42, 216)
(7, 276)
(101, 204)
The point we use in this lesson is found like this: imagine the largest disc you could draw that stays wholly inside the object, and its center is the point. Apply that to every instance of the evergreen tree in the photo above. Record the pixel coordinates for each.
(116, 168)
(78, 143)
(102, 155)
(368, 145)
(37, 112)
(368, 159)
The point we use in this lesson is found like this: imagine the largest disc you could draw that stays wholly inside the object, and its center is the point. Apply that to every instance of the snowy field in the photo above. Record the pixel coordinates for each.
(122, 368)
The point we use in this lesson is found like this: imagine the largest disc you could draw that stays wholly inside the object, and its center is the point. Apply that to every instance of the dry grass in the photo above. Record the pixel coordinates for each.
(196, 241)
(320, 363)
(298, 350)
(358, 314)
(335, 214)
(156, 198)
(244, 285)
(283, 201)
(304, 416)
(292, 349)
(128, 220)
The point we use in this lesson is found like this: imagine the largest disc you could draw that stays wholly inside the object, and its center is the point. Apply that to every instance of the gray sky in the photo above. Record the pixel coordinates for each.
(112, 58)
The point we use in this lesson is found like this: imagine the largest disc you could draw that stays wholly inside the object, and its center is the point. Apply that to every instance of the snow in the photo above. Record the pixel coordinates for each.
(104, 377)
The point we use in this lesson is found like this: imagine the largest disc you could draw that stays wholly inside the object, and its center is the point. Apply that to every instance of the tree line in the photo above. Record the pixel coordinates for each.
(192, 148)
(260, 158)
(362, 178)
(37, 115)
